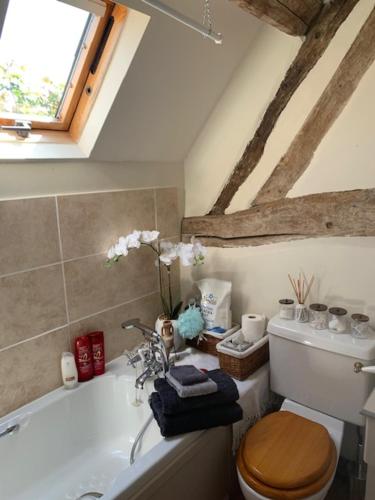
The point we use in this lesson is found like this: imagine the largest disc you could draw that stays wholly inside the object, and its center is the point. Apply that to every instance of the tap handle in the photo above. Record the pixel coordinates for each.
(133, 358)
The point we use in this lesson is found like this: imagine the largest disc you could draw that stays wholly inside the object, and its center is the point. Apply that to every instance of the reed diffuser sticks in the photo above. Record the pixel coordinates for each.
(301, 287)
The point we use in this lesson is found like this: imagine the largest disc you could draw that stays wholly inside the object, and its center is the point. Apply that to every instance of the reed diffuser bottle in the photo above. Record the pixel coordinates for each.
(301, 288)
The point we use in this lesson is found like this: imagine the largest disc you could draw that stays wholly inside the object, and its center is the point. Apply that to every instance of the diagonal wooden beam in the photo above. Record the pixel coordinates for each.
(317, 40)
(332, 102)
(343, 213)
(291, 16)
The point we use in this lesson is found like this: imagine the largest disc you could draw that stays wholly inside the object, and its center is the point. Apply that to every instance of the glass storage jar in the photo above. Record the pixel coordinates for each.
(360, 326)
(338, 320)
(286, 309)
(319, 316)
(301, 313)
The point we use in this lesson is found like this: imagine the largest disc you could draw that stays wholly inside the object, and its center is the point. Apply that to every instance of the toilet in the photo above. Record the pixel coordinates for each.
(293, 453)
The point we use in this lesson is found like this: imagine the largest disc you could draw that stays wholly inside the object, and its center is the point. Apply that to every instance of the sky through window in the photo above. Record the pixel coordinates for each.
(37, 50)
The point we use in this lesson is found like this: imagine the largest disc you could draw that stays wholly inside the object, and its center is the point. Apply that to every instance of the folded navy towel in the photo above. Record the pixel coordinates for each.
(194, 390)
(172, 404)
(188, 374)
(172, 425)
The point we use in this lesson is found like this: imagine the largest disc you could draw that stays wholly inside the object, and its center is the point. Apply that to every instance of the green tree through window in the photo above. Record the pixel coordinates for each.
(16, 96)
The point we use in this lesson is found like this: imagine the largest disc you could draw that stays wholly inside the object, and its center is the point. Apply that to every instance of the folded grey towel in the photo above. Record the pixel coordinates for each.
(189, 391)
(188, 374)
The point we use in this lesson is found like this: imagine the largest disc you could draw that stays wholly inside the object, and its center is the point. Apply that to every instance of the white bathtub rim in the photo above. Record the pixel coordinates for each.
(115, 368)
(167, 448)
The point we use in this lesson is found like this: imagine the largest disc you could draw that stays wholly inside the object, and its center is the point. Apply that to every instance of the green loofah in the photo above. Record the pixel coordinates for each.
(190, 323)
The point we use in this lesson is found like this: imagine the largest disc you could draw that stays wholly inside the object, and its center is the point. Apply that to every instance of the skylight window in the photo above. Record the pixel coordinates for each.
(37, 55)
(50, 51)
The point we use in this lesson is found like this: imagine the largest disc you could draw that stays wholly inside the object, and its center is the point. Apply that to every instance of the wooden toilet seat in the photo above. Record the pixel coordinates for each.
(286, 456)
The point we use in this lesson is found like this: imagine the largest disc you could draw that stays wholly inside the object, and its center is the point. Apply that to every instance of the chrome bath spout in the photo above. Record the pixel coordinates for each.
(148, 332)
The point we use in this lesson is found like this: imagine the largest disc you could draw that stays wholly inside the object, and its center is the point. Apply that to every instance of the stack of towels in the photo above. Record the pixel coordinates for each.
(189, 400)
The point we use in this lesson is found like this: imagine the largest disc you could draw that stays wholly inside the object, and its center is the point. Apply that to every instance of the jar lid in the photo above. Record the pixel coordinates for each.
(362, 318)
(286, 301)
(318, 307)
(338, 311)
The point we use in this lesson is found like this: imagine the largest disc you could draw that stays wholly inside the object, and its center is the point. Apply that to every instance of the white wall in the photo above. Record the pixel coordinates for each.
(27, 179)
(344, 267)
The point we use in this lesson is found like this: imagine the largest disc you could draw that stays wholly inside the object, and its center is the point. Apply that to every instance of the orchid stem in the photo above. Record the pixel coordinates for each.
(157, 251)
(169, 290)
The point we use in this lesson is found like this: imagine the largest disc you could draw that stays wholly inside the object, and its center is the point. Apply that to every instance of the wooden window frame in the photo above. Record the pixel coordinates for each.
(84, 85)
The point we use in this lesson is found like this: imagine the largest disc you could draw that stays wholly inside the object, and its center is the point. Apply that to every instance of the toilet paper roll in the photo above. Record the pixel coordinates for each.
(253, 326)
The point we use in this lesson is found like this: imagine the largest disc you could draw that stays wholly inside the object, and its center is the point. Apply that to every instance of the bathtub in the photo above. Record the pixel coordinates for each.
(69, 443)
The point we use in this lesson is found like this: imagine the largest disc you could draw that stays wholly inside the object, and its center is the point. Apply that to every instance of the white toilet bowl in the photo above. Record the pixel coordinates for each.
(335, 430)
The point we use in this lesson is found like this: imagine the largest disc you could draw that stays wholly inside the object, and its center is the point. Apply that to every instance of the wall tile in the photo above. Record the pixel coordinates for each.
(29, 236)
(91, 287)
(91, 223)
(31, 303)
(29, 370)
(168, 218)
(117, 339)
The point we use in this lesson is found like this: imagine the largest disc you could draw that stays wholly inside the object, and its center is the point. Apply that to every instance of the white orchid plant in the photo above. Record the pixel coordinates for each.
(190, 254)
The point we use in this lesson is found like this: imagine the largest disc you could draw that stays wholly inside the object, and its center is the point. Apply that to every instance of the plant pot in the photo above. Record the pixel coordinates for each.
(178, 341)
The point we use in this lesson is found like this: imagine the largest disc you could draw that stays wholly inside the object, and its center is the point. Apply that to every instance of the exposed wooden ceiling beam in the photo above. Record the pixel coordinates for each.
(342, 213)
(317, 40)
(323, 115)
(291, 16)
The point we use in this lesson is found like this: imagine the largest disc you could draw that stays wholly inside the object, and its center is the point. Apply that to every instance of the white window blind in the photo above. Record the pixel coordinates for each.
(96, 7)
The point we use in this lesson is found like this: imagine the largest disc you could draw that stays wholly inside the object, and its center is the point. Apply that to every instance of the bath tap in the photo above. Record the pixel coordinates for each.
(148, 332)
(153, 354)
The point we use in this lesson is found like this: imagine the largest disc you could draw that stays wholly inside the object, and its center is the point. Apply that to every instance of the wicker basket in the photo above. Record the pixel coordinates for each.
(240, 369)
(208, 344)
(210, 340)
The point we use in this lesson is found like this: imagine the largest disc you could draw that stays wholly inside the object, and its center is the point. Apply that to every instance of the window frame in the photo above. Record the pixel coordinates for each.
(77, 98)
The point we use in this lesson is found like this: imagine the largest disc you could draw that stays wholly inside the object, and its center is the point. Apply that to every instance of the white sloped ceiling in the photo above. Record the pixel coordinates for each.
(174, 82)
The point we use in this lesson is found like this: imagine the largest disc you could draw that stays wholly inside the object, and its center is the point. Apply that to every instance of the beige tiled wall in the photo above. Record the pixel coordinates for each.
(54, 286)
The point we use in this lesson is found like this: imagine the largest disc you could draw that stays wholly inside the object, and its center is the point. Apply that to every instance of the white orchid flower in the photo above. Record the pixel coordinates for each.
(149, 236)
(132, 239)
(199, 251)
(165, 259)
(168, 252)
(121, 247)
(111, 253)
(185, 252)
(192, 253)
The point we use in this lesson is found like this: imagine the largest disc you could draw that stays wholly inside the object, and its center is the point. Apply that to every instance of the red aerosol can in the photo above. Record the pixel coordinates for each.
(97, 346)
(83, 356)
